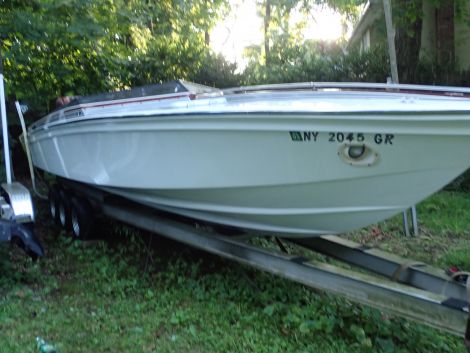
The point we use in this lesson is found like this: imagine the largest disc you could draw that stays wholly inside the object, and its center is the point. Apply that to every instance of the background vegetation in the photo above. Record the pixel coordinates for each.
(94, 46)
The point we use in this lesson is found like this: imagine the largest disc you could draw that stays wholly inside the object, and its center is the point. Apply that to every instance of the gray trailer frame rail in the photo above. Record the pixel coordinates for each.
(425, 294)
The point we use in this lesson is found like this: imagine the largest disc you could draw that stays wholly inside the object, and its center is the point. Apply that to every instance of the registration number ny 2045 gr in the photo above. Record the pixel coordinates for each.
(340, 137)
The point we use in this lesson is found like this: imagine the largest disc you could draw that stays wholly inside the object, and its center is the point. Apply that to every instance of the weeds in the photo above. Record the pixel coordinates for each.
(141, 293)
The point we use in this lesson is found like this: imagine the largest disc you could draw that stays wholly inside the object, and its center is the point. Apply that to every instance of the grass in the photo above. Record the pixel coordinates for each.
(139, 293)
(444, 239)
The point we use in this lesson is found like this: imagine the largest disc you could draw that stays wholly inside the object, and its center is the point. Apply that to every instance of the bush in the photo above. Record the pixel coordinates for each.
(216, 71)
(321, 62)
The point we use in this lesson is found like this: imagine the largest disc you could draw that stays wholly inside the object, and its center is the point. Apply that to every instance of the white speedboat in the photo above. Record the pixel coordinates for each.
(297, 160)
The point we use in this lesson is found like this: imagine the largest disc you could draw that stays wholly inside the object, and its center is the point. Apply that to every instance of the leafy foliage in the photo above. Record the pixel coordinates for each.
(318, 61)
(93, 46)
(216, 71)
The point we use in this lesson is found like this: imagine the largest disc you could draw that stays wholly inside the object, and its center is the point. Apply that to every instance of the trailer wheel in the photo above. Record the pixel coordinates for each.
(53, 199)
(64, 209)
(81, 218)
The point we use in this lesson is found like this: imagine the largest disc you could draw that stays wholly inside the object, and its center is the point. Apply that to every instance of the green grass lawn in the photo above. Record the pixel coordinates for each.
(130, 295)
(444, 240)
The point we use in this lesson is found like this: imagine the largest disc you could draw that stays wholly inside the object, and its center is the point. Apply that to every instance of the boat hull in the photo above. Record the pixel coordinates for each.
(286, 174)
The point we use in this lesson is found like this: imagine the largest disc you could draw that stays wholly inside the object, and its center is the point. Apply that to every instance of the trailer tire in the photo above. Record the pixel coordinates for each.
(64, 209)
(53, 199)
(82, 219)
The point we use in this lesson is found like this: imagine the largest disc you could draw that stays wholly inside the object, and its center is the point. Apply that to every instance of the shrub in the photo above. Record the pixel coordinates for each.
(216, 71)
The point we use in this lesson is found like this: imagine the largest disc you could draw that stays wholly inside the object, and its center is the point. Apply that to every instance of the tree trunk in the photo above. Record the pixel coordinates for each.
(445, 42)
(408, 37)
(267, 20)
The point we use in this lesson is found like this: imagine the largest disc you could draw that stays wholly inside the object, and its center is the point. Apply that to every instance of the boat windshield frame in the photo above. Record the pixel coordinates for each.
(172, 87)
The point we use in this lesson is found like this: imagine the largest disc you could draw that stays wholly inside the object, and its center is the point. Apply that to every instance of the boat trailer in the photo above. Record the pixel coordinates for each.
(16, 206)
(399, 286)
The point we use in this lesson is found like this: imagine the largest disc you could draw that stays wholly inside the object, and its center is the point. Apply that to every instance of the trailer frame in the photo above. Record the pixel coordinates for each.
(399, 286)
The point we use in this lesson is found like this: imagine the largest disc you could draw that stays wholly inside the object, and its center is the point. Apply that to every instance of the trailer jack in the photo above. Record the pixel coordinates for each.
(21, 234)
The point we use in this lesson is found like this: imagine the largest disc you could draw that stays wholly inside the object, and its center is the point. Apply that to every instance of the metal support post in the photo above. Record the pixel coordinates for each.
(406, 227)
(3, 113)
(414, 220)
(391, 40)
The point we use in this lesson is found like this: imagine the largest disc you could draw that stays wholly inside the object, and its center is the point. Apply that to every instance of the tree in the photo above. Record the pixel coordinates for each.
(98, 45)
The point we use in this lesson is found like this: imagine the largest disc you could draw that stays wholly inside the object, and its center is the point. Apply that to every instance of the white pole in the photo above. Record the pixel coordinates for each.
(391, 41)
(392, 53)
(3, 113)
(414, 218)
